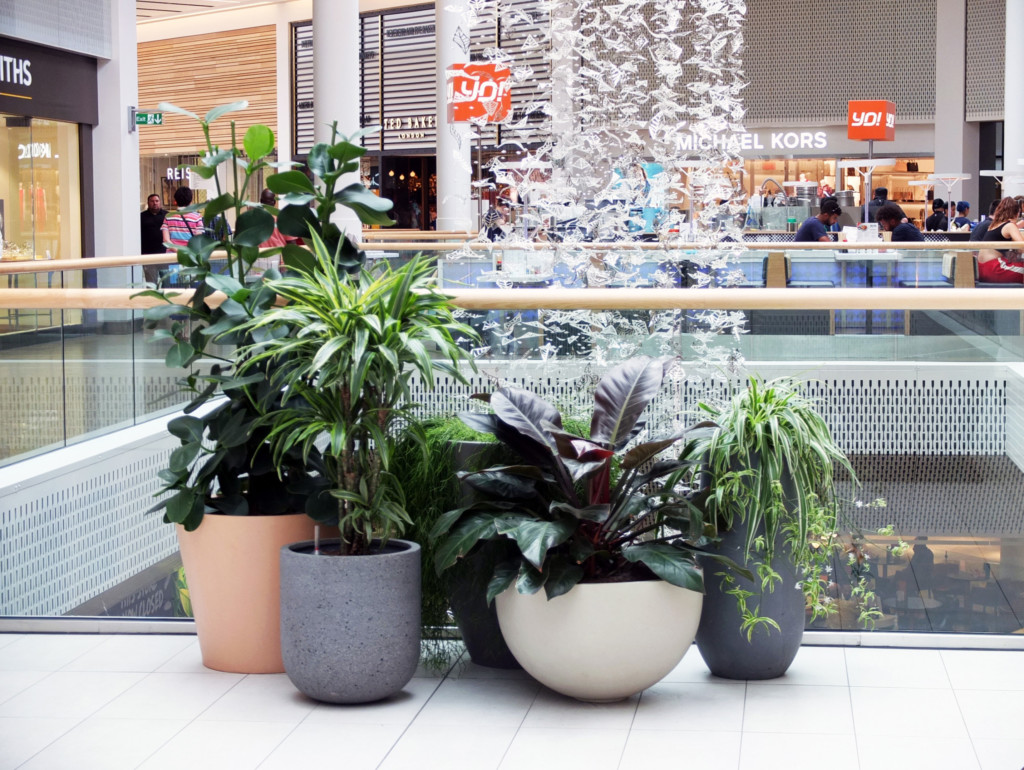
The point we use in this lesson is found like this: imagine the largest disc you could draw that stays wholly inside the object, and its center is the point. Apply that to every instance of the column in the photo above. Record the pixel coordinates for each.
(454, 144)
(956, 141)
(1013, 103)
(336, 83)
(115, 149)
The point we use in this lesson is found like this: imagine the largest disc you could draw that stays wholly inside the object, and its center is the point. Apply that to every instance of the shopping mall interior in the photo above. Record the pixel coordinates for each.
(598, 191)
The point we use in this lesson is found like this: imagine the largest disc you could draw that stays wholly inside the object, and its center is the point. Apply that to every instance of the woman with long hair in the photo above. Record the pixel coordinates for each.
(1002, 265)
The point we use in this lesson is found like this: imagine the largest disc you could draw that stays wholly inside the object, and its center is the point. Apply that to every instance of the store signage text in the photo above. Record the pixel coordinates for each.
(15, 71)
(478, 91)
(34, 150)
(775, 140)
(179, 175)
(419, 29)
(410, 123)
(871, 119)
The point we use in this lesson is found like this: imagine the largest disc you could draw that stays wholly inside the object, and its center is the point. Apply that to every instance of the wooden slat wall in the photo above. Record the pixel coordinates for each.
(203, 71)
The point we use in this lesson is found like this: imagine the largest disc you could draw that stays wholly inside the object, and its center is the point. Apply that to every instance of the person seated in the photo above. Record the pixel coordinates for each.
(938, 220)
(890, 219)
(963, 215)
(1002, 265)
(816, 228)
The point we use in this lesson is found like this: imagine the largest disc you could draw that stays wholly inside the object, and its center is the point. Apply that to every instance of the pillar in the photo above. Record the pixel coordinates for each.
(956, 141)
(115, 160)
(336, 83)
(454, 143)
(1013, 103)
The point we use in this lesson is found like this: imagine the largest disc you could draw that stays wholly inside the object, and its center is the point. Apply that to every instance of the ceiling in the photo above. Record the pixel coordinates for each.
(159, 9)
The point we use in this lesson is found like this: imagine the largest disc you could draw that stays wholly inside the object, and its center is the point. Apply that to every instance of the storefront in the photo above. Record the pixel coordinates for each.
(48, 105)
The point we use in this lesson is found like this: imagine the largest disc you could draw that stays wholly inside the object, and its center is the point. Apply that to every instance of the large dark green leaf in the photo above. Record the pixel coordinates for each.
(669, 562)
(529, 580)
(526, 414)
(506, 483)
(482, 423)
(370, 209)
(183, 457)
(535, 538)
(186, 428)
(253, 227)
(298, 258)
(621, 396)
(563, 574)
(462, 539)
(217, 206)
(504, 576)
(290, 182)
(638, 455)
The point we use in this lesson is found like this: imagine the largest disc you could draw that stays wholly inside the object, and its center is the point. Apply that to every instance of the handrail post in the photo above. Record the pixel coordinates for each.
(775, 273)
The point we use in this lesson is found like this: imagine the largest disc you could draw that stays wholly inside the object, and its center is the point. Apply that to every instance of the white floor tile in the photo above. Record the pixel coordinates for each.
(171, 696)
(691, 706)
(879, 667)
(779, 751)
(342, 745)
(70, 694)
(909, 713)
(450, 747)
(893, 752)
(401, 708)
(1000, 754)
(106, 744)
(814, 665)
(467, 669)
(261, 698)
(219, 746)
(6, 639)
(130, 653)
(47, 652)
(993, 713)
(188, 661)
(692, 668)
(810, 709)
(985, 669)
(13, 682)
(646, 749)
(542, 747)
(553, 710)
(22, 737)
(477, 702)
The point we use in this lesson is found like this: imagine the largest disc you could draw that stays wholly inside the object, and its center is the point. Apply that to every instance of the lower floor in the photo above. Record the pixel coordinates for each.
(126, 701)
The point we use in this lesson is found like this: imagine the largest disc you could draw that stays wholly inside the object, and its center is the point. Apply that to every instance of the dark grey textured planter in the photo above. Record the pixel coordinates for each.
(350, 625)
(723, 645)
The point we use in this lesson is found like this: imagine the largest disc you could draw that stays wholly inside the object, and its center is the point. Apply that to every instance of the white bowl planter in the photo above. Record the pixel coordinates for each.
(601, 641)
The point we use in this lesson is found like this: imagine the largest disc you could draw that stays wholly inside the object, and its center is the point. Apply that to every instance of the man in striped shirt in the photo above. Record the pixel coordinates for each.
(179, 228)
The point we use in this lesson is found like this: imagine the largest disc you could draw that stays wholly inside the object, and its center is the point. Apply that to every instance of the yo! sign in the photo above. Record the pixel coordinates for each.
(871, 119)
(478, 91)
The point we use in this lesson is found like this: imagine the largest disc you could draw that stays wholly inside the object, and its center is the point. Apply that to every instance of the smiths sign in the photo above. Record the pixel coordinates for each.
(46, 83)
(478, 91)
(875, 119)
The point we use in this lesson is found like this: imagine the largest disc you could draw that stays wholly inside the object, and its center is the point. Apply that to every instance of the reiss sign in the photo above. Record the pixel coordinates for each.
(478, 91)
(873, 119)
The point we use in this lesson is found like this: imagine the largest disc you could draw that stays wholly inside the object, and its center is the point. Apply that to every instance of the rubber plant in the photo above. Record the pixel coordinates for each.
(224, 461)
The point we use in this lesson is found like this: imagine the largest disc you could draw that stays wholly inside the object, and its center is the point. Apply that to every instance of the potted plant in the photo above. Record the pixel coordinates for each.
(769, 471)
(222, 475)
(343, 349)
(599, 527)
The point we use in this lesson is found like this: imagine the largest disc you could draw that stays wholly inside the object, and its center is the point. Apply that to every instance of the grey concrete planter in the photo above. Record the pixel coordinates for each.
(350, 625)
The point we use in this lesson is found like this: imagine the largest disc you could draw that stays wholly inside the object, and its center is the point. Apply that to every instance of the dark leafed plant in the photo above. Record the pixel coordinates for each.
(558, 516)
(224, 462)
(344, 349)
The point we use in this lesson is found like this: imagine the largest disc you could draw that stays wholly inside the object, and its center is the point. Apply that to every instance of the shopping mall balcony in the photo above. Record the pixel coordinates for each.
(918, 372)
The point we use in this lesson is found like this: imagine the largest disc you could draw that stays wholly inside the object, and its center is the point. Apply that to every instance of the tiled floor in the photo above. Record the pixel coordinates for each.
(75, 701)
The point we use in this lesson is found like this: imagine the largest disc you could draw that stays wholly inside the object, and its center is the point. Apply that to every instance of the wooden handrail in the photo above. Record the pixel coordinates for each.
(596, 299)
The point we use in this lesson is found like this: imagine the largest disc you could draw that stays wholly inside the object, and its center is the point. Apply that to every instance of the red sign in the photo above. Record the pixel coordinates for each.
(871, 119)
(478, 91)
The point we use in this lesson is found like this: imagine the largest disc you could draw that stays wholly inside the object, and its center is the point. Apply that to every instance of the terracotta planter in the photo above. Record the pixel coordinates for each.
(601, 641)
(232, 565)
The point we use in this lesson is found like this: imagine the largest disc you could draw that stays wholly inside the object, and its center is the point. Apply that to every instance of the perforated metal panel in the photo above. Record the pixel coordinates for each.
(804, 60)
(72, 532)
(81, 26)
(986, 59)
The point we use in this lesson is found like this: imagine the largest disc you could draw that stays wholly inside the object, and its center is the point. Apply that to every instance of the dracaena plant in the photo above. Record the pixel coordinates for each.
(344, 348)
(224, 462)
(558, 517)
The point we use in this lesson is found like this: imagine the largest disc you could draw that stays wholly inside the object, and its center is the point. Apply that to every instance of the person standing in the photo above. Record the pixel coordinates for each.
(179, 228)
(151, 222)
(816, 228)
(890, 219)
